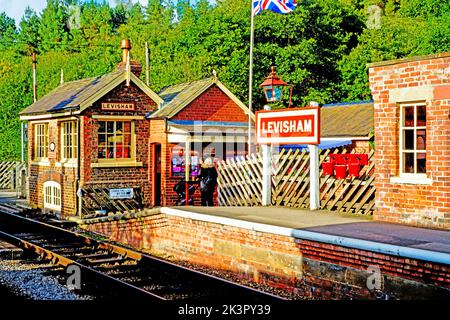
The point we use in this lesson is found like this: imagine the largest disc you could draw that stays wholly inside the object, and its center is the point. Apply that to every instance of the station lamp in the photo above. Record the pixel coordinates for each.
(273, 87)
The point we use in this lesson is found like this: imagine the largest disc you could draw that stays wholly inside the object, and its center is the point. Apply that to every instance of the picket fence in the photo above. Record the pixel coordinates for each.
(240, 182)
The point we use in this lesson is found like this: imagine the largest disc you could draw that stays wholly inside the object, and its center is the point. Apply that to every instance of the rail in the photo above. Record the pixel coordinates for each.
(144, 274)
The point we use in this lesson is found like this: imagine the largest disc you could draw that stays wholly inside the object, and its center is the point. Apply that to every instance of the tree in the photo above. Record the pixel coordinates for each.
(29, 31)
(8, 31)
(53, 29)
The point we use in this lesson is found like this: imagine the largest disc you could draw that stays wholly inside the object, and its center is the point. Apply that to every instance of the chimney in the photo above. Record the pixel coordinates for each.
(136, 68)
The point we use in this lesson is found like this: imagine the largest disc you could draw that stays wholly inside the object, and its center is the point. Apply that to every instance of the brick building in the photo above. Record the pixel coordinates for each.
(412, 130)
(112, 141)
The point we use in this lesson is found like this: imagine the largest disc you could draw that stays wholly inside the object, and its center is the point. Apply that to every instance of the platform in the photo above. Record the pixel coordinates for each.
(332, 224)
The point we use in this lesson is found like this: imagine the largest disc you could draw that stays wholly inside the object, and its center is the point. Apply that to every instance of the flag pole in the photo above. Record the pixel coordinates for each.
(250, 80)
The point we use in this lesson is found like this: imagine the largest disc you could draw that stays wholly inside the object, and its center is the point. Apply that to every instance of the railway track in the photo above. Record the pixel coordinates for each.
(136, 274)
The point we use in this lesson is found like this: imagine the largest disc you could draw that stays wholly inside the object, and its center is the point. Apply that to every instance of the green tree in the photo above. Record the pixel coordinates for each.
(53, 29)
(29, 31)
(8, 32)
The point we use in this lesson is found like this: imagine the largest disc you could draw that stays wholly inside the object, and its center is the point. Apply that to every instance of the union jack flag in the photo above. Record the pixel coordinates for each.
(278, 6)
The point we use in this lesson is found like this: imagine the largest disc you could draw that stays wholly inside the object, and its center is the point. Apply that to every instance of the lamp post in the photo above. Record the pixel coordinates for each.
(273, 88)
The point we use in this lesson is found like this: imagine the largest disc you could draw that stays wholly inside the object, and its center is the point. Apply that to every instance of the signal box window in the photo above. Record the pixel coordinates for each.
(115, 140)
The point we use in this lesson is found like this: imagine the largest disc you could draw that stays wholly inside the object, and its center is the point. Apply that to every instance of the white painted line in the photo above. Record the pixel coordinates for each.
(388, 249)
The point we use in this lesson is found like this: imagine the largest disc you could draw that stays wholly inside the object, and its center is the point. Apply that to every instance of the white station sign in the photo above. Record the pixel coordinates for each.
(124, 193)
(288, 126)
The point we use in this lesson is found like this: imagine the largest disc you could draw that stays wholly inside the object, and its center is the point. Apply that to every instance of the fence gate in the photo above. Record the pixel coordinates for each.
(240, 183)
(11, 177)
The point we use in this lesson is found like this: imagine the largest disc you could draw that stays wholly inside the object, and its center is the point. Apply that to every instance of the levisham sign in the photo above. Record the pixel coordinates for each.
(288, 126)
(118, 106)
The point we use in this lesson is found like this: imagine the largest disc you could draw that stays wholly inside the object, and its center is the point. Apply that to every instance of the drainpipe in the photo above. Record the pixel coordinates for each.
(77, 183)
(34, 77)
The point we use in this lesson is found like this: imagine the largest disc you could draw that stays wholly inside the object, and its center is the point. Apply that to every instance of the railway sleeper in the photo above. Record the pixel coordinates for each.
(112, 260)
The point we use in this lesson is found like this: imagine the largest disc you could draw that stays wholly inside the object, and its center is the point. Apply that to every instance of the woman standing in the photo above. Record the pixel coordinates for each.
(208, 181)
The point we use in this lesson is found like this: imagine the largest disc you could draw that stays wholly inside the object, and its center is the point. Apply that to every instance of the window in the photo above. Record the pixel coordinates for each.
(52, 195)
(115, 140)
(413, 138)
(41, 140)
(69, 140)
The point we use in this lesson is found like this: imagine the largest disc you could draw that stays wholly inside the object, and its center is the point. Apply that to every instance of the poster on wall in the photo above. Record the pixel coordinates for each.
(178, 164)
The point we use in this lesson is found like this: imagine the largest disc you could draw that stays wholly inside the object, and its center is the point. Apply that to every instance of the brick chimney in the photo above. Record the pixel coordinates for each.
(136, 68)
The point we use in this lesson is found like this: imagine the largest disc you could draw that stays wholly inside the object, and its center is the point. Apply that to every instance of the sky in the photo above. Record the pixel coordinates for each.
(16, 8)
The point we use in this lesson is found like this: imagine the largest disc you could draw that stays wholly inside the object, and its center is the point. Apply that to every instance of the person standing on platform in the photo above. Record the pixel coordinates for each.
(208, 182)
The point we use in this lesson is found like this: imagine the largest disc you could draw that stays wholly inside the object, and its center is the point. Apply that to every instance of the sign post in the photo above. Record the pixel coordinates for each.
(314, 177)
(292, 126)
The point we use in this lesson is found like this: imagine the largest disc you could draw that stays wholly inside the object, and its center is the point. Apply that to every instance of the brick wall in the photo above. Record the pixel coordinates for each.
(309, 268)
(212, 105)
(418, 79)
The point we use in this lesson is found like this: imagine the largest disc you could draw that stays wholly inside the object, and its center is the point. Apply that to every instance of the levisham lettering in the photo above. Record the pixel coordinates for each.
(274, 127)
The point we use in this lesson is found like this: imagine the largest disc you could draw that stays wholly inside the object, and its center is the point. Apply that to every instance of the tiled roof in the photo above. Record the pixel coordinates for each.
(70, 95)
(347, 120)
(178, 96)
(81, 94)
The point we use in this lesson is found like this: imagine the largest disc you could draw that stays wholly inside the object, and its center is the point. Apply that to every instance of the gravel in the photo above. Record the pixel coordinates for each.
(27, 280)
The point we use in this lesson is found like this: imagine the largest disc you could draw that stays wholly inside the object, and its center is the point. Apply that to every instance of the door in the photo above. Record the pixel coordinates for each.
(156, 177)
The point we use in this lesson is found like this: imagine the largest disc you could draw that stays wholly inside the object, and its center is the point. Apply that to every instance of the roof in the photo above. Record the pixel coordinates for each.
(176, 97)
(81, 94)
(354, 119)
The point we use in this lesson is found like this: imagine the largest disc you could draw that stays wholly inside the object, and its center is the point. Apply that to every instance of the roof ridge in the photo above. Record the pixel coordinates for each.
(89, 78)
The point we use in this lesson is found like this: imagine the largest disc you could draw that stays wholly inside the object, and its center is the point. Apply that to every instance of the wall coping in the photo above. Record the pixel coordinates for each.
(409, 59)
(383, 248)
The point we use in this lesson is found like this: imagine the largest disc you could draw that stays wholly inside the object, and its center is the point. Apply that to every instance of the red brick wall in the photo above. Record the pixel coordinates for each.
(310, 268)
(212, 105)
(420, 205)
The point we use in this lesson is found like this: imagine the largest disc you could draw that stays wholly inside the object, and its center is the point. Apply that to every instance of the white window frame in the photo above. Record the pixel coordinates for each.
(45, 139)
(52, 195)
(406, 177)
(72, 138)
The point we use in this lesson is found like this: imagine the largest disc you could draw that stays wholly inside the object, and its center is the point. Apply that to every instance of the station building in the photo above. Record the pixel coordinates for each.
(111, 143)
(412, 129)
